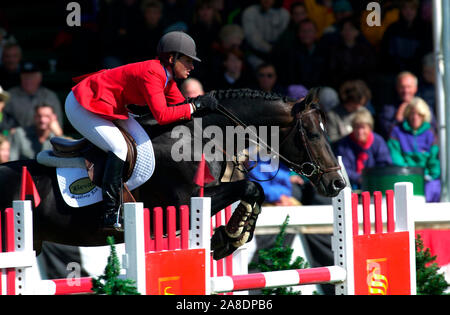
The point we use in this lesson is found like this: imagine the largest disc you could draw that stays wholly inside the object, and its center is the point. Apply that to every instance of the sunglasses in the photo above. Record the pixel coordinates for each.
(268, 75)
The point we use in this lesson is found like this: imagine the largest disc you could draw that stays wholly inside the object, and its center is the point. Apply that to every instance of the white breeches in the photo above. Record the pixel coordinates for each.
(105, 135)
(98, 130)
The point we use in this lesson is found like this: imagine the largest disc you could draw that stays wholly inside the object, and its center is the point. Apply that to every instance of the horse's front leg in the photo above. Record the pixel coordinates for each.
(241, 226)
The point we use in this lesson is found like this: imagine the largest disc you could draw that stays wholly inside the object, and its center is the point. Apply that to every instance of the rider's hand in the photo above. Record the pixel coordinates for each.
(55, 127)
(203, 103)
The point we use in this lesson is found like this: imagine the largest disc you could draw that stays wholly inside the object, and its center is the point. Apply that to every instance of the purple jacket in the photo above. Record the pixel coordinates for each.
(378, 155)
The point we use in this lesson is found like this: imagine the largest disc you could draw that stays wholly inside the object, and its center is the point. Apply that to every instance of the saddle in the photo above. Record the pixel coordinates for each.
(95, 158)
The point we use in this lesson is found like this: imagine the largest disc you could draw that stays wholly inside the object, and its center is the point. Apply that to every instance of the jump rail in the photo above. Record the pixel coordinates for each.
(360, 260)
(18, 261)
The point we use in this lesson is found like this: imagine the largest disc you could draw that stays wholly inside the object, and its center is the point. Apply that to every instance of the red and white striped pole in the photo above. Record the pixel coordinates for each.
(332, 274)
(66, 286)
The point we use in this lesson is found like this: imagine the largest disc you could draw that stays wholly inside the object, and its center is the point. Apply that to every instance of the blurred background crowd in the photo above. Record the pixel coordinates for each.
(378, 81)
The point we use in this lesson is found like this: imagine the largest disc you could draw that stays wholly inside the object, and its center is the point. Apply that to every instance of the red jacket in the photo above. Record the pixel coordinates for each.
(107, 92)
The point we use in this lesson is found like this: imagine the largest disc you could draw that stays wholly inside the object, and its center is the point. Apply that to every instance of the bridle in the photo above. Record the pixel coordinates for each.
(307, 169)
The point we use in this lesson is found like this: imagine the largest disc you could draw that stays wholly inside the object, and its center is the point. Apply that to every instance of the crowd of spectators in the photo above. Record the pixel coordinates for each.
(371, 75)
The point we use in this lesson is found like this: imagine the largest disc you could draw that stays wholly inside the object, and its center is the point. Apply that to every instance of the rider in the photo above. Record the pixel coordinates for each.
(100, 98)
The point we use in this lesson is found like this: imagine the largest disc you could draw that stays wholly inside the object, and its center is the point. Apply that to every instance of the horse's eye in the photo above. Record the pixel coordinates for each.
(312, 135)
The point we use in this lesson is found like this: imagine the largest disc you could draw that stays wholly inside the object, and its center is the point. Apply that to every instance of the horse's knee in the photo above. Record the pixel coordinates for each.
(253, 192)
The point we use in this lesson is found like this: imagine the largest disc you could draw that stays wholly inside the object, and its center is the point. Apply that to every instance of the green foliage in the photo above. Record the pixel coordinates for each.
(429, 281)
(109, 283)
(279, 258)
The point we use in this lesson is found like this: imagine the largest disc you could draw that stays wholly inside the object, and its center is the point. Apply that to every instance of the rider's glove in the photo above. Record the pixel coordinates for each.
(204, 103)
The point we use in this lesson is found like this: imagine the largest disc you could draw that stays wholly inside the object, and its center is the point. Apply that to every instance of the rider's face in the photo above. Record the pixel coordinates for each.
(183, 66)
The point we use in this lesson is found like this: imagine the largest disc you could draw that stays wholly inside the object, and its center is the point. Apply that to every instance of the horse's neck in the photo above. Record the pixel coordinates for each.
(264, 124)
(258, 114)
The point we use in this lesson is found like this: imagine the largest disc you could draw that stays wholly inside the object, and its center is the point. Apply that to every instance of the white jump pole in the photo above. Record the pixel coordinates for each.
(134, 258)
(342, 239)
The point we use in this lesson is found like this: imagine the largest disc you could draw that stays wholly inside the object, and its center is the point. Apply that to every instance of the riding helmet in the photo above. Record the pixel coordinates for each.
(178, 42)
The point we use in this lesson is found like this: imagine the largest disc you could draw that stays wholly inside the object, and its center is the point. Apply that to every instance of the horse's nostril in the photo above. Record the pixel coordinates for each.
(339, 184)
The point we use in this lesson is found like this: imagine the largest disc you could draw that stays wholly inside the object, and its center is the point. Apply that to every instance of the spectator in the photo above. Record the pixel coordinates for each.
(27, 142)
(234, 75)
(352, 58)
(342, 10)
(119, 21)
(276, 184)
(306, 60)
(231, 37)
(10, 68)
(362, 149)
(5, 39)
(152, 30)
(406, 41)
(266, 79)
(30, 93)
(321, 14)
(392, 114)
(192, 88)
(374, 33)
(414, 144)
(6, 121)
(427, 89)
(263, 24)
(176, 14)
(205, 27)
(297, 91)
(289, 36)
(204, 30)
(354, 95)
(329, 98)
(298, 14)
(5, 149)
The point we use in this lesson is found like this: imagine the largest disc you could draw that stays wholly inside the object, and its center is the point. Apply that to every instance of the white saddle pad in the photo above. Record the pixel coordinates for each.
(76, 188)
(74, 184)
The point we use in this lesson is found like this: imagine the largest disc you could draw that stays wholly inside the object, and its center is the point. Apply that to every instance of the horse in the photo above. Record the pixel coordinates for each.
(302, 145)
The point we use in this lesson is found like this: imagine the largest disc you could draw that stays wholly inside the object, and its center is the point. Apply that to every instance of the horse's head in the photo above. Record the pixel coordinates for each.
(310, 153)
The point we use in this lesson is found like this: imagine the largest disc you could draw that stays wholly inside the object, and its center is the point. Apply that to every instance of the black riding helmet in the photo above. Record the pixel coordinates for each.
(178, 43)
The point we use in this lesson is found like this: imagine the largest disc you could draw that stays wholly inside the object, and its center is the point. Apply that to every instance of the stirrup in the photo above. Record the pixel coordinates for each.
(117, 226)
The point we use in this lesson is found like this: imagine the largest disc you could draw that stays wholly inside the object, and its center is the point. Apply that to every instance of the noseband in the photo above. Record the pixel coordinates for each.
(309, 169)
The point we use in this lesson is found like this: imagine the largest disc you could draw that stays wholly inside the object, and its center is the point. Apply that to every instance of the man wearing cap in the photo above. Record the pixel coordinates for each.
(29, 94)
(102, 97)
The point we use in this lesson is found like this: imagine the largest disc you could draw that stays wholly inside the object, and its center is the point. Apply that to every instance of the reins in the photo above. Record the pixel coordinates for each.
(307, 169)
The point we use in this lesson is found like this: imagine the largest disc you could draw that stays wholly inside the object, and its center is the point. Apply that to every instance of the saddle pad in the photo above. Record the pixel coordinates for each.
(76, 188)
(145, 160)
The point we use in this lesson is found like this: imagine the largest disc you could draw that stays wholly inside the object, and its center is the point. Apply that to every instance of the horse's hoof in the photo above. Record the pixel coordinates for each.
(221, 244)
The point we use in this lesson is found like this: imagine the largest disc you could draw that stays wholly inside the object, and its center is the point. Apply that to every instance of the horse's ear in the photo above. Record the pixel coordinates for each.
(312, 97)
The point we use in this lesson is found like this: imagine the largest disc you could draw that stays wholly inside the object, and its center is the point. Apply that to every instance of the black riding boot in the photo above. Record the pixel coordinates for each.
(112, 191)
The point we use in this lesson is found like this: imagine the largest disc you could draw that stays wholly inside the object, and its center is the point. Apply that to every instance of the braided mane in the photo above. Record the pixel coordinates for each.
(251, 94)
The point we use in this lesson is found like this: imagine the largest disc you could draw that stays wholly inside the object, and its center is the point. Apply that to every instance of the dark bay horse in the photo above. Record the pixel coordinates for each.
(303, 147)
